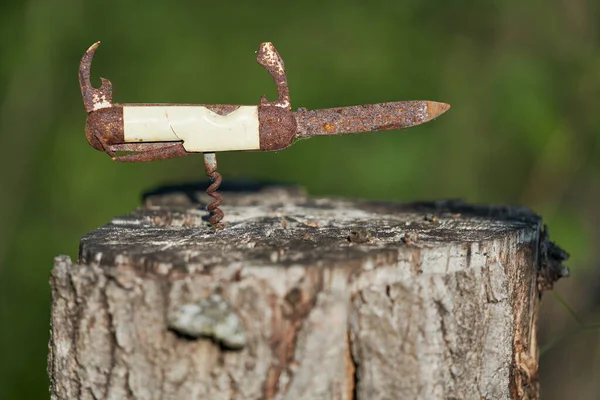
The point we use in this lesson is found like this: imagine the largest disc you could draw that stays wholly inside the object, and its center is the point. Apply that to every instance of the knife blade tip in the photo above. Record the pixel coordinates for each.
(435, 108)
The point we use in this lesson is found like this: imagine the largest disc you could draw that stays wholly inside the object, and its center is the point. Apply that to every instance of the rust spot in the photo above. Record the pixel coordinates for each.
(329, 128)
(104, 127)
(221, 109)
(277, 128)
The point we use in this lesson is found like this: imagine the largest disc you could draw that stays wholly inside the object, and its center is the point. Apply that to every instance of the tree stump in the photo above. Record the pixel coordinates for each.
(302, 298)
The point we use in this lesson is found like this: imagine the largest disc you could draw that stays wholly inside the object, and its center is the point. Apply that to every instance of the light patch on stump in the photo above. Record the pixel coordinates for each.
(210, 318)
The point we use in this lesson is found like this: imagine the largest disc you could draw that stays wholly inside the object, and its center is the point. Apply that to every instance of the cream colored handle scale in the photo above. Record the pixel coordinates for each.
(200, 129)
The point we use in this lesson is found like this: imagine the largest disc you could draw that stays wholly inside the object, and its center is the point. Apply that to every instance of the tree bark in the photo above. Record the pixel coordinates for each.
(302, 298)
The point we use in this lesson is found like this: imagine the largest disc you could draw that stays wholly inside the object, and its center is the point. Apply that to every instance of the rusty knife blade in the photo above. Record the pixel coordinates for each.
(367, 118)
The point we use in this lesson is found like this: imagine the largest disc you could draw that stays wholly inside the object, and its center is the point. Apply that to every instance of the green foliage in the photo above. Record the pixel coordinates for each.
(524, 128)
(580, 328)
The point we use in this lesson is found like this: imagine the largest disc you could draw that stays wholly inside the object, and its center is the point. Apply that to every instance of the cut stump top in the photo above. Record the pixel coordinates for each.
(282, 226)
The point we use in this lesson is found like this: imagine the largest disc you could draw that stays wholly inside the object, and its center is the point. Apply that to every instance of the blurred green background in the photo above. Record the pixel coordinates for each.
(523, 79)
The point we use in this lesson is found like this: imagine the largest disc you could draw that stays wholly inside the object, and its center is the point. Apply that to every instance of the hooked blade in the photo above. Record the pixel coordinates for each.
(93, 99)
(367, 118)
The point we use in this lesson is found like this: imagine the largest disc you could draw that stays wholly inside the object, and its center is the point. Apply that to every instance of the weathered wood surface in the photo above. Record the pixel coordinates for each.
(302, 298)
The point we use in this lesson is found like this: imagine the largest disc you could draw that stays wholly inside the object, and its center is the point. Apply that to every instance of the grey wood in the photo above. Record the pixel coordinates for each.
(302, 298)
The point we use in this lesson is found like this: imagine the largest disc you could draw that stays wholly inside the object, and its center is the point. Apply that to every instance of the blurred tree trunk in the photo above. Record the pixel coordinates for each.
(301, 298)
